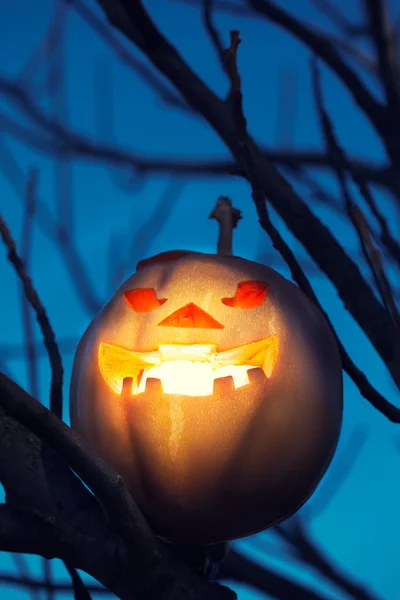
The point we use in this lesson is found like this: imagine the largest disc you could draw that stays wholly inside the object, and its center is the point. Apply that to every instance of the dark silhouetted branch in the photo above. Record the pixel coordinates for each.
(56, 516)
(41, 315)
(79, 589)
(26, 251)
(166, 94)
(23, 574)
(34, 584)
(354, 212)
(295, 533)
(212, 31)
(383, 37)
(335, 15)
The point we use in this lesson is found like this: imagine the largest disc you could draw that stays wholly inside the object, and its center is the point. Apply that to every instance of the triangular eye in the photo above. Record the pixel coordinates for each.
(142, 299)
(249, 294)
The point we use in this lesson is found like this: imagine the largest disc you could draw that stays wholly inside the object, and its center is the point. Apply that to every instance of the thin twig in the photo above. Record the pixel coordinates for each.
(335, 15)
(339, 472)
(42, 318)
(212, 31)
(167, 95)
(48, 579)
(55, 231)
(56, 90)
(382, 36)
(366, 389)
(354, 212)
(23, 574)
(295, 533)
(44, 50)
(26, 251)
(35, 585)
(146, 235)
(288, 99)
(81, 591)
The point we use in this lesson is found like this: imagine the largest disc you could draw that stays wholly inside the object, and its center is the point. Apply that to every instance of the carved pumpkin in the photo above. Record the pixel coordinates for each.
(213, 386)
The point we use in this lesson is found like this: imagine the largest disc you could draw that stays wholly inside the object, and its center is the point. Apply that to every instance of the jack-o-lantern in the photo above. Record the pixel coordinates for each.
(213, 386)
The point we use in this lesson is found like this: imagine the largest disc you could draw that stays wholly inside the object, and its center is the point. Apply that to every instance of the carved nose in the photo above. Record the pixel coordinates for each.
(191, 315)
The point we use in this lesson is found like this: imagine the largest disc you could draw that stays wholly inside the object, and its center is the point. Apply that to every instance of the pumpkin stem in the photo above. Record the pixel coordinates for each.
(227, 217)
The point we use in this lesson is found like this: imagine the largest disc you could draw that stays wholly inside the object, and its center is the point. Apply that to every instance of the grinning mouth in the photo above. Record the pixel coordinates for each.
(185, 369)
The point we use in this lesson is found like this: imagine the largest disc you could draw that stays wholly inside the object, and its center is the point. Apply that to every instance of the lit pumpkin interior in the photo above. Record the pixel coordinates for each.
(185, 369)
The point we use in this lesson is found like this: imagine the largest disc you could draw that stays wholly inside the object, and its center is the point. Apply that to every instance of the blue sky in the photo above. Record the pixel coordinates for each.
(360, 528)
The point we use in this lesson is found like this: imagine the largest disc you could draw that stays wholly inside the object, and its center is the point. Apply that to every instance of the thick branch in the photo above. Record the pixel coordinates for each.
(53, 514)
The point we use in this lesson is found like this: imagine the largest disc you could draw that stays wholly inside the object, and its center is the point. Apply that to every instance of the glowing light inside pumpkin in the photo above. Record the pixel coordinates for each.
(189, 370)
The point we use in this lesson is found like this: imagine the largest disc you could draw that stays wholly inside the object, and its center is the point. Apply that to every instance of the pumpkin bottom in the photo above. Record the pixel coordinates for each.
(201, 471)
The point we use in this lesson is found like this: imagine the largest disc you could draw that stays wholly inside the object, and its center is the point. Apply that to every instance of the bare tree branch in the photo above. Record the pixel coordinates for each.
(339, 472)
(212, 31)
(50, 512)
(36, 585)
(137, 245)
(79, 589)
(310, 553)
(287, 108)
(354, 212)
(381, 34)
(336, 16)
(23, 574)
(356, 294)
(54, 230)
(166, 94)
(41, 315)
(26, 248)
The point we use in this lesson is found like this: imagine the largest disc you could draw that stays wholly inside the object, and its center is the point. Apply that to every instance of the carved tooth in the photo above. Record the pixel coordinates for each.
(256, 376)
(127, 387)
(153, 386)
(224, 385)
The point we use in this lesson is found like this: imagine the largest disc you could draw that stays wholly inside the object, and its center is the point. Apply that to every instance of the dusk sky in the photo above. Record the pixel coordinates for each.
(359, 529)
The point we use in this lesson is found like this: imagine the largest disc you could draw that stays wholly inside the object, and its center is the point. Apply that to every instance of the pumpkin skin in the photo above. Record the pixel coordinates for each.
(215, 467)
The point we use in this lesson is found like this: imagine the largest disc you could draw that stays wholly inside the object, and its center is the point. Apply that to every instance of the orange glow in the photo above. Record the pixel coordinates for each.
(249, 294)
(142, 299)
(192, 316)
(189, 370)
